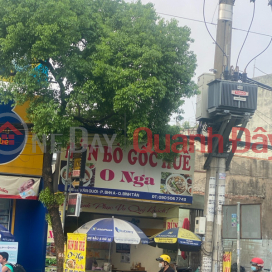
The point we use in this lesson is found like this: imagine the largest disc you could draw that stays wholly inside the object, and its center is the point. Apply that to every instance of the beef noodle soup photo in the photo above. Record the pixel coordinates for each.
(176, 184)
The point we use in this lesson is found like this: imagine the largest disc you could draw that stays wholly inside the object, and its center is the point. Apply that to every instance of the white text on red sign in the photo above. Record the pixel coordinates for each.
(241, 93)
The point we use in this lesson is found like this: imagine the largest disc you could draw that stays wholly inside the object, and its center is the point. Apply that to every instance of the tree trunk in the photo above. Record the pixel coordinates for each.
(54, 211)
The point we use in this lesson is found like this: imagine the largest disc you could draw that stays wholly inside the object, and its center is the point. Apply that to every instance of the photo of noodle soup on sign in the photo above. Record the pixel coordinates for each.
(70, 264)
(176, 184)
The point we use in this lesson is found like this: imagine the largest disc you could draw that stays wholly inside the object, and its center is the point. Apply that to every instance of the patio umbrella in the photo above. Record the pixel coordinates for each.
(113, 229)
(175, 238)
(5, 235)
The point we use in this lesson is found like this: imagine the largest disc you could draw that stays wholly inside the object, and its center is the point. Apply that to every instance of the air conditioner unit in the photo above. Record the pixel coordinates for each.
(202, 98)
(200, 225)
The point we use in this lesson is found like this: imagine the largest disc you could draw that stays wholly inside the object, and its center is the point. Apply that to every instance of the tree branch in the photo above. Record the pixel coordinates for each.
(93, 128)
(58, 80)
(88, 121)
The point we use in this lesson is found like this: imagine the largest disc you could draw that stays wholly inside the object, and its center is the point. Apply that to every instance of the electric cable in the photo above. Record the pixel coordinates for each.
(263, 119)
(258, 55)
(185, 18)
(263, 114)
(215, 11)
(246, 34)
(200, 21)
(204, 2)
(253, 32)
(261, 70)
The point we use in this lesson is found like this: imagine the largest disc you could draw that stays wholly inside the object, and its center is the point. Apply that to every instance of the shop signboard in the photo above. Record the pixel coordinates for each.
(19, 187)
(76, 252)
(133, 208)
(227, 261)
(74, 204)
(126, 174)
(172, 223)
(12, 249)
(20, 153)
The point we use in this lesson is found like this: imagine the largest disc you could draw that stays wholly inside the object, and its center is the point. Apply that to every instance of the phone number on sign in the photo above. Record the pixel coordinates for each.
(173, 198)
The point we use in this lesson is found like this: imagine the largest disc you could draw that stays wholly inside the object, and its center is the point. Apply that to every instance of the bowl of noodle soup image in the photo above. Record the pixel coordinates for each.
(176, 184)
(70, 264)
(87, 175)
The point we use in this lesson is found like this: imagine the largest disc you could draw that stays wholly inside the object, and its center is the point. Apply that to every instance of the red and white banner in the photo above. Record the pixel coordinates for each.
(238, 92)
(19, 187)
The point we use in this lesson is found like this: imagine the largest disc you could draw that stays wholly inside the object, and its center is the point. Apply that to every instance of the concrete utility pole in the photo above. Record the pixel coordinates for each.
(217, 263)
(223, 37)
(212, 250)
(221, 64)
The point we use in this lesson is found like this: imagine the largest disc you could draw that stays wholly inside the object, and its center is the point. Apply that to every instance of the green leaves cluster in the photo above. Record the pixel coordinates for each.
(111, 65)
(50, 199)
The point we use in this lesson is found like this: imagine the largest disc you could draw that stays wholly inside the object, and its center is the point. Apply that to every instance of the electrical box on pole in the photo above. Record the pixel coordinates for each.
(222, 96)
(202, 98)
(200, 225)
(74, 205)
(235, 97)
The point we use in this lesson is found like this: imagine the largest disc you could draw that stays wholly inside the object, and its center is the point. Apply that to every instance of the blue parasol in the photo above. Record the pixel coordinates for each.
(5, 235)
(113, 229)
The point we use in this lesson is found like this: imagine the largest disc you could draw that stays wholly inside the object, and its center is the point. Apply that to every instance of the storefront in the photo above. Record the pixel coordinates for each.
(151, 218)
(136, 187)
(20, 182)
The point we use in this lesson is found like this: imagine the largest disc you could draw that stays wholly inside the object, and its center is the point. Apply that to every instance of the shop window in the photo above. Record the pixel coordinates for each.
(5, 207)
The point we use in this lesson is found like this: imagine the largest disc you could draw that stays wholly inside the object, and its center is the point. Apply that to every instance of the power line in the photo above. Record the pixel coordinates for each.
(215, 11)
(204, 2)
(258, 54)
(246, 34)
(185, 18)
(263, 119)
(253, 32)
(261, 70)
(264, 114)
(201, 21)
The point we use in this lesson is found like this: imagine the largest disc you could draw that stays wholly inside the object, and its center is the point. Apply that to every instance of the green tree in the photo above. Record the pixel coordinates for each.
(107, 61)
(186, 125)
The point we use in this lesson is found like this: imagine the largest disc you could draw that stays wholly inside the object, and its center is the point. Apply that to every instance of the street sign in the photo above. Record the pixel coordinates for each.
(75, 183)
(74, 204)
(234, 220)
(239, 98)
(238, 92)
(78, 164)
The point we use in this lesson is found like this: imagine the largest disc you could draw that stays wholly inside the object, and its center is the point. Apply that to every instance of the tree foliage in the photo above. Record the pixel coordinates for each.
(186, 125)
(107, 61)
(101, 64)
